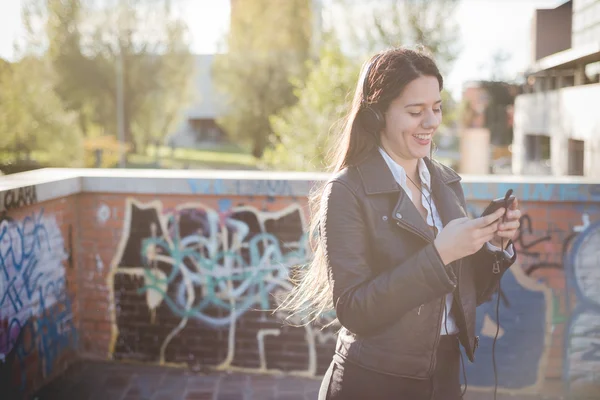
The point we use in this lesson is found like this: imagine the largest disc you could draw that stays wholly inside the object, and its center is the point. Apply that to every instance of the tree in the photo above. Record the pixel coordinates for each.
(501, 97)
(389, 23)
(89, 41)
(33, 121)
(301, 136)
(497, 65)
(303, 132)
(268, 45)
(32, 117)
(426, 22)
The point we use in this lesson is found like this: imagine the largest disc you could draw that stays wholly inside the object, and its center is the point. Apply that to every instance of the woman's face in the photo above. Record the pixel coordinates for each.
(412, 119)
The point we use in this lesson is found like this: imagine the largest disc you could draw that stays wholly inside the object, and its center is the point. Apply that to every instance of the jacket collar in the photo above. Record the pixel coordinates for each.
(377, 178)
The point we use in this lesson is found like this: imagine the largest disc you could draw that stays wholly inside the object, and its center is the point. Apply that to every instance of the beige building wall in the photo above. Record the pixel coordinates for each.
(586, 22)
(561, 114)
(475, 151)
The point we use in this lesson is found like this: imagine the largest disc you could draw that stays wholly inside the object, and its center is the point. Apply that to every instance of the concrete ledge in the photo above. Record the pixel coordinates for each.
(35, 188)
(26, 188)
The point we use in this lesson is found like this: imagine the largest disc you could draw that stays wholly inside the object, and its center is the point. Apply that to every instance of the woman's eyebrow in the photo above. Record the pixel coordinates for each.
(421, 104)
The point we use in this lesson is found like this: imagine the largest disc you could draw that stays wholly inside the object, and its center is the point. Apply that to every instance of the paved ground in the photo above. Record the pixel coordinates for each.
(114, 381)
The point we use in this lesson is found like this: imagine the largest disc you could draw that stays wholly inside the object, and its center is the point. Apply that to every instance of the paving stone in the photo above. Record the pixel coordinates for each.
(114, 381)
(261, 394)
(106, 394)
(290, 395)
(197, 395)
(290, 384)
(118, 380)
(311, 395)
(202, 382)
(230, 396)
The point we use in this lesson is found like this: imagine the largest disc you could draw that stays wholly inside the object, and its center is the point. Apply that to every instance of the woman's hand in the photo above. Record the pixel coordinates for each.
(508, 229)
(465, 236)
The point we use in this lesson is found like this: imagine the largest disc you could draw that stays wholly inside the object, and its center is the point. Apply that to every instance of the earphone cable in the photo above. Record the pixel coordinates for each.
(501, 262)
(445, 307)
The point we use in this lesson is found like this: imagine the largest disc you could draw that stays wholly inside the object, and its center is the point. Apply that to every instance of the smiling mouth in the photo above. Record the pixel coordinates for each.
(423, 137)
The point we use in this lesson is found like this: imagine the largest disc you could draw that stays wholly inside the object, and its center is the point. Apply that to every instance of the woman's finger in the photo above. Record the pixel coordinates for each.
(513, 214)
(514, 225)
(488, 230)
(488, 238)
(489, 219)
(514, 205)
(507, 233)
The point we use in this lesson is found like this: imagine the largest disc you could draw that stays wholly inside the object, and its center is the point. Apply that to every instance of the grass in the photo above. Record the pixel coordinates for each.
(223, 157)
(228, 156)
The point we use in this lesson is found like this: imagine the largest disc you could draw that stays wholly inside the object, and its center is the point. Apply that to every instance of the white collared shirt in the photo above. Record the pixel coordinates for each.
(433, 219)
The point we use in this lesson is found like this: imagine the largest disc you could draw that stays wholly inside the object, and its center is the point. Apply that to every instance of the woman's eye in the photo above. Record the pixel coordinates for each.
(438, 110)
(415, 114)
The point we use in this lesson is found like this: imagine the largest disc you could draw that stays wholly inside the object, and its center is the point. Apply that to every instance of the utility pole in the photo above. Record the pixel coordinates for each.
(120, 110)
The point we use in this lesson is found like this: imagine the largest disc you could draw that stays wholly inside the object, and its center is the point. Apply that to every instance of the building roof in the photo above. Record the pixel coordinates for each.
(209, 103)
(567, 59)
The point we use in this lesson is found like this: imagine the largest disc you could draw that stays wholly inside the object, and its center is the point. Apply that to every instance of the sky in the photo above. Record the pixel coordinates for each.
(486, 26)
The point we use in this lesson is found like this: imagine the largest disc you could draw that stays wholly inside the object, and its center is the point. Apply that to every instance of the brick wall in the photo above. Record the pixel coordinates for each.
(180, 272)
(38, 290)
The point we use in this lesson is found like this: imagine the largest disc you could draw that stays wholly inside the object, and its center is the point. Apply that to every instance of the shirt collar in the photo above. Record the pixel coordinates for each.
(400, 174)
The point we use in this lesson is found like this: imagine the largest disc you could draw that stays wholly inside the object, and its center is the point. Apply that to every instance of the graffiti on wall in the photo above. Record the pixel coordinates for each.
(35, 310)
(525, 315)
(17, 198)
(532, 303)
(575, 255)
(191, 285)
(582, 343)
(524, 329)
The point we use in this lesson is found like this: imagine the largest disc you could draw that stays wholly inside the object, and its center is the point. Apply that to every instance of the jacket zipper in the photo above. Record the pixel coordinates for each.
(496, 266)
(443, 300)
(459, 302)
(437, 338)
(415, 231)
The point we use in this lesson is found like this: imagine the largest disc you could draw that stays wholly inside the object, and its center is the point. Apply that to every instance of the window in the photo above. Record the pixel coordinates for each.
(576, 154)
(537, 147)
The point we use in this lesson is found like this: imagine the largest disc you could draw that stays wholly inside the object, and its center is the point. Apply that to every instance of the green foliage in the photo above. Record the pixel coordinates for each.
(268, 45)
(391, 23)
(88, 44)
(303, 133)
(32, 118)
(501, 97)
(451, 110)
(64, 85)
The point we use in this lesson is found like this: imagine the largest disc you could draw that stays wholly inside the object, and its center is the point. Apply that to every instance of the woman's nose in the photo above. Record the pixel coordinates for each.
(430, 121)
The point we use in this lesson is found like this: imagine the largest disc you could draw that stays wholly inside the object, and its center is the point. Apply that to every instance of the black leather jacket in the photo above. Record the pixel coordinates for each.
(389, 283)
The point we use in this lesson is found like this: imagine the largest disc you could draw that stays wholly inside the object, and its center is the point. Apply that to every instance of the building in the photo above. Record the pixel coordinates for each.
(557, 118)
(199, 124)
(486, 127)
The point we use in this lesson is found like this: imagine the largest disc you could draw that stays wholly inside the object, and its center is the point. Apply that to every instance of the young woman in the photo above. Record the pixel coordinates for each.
(396, 255)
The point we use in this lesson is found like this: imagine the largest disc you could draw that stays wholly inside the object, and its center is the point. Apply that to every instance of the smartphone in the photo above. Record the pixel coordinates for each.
(498, 203)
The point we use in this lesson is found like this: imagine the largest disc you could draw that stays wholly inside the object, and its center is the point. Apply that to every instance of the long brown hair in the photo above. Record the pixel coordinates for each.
(390, 72)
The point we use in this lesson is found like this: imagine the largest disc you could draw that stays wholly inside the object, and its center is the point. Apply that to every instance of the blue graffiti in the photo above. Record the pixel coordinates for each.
(207, 270)
(523, 320)
(264, 187)
(559, 192)
(206, 186)
(250, 187)
(34, 305)
(582, 341)
(20, 248)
